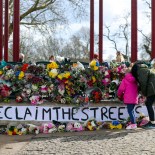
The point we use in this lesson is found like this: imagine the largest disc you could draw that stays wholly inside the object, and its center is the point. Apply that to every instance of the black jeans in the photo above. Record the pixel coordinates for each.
(149, 106)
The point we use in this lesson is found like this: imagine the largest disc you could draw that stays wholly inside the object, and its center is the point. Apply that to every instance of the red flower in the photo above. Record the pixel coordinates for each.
(96, 96)
(24, 67)
(19, 99)
(90, 83)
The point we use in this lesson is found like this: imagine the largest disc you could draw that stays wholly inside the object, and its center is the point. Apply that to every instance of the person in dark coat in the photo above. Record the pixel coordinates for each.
(146, 81)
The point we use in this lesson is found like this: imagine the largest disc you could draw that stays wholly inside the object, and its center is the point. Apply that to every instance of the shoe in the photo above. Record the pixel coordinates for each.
(131, 126)
(149, 125)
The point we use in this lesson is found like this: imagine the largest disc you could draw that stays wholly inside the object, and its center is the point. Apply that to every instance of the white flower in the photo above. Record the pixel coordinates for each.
(63, 100)
(80, 66)
(107, 80)
(77, 101)
(53, 73)
(28, 91)
(50, 88)
(35, 100)
(34, 87)
(43, 88)
(10, 73)
(106, 73)
(61, 91)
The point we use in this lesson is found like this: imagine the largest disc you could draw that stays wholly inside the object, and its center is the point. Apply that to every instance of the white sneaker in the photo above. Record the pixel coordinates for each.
(131, 126)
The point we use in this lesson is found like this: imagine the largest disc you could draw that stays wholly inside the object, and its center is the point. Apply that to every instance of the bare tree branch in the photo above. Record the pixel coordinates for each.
(110, 38)
(46, 12)
(148, 3)
(146, 43)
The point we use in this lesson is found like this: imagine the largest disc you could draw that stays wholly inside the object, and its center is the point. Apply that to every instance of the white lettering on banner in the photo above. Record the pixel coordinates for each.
(65, 114)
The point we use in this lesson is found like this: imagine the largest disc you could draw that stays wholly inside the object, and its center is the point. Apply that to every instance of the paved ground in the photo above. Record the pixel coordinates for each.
(103, 142)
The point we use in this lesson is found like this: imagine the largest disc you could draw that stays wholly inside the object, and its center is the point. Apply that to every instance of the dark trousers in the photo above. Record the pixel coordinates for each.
(149, 106)
(130, 108)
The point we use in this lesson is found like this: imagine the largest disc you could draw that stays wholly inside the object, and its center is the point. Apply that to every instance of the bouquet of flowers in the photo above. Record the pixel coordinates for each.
(52, 65)
(36, 99)
(5, 92)
(94, 65)
(96, 96)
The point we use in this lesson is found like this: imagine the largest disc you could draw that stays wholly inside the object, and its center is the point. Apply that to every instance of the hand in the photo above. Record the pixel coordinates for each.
(120, 98)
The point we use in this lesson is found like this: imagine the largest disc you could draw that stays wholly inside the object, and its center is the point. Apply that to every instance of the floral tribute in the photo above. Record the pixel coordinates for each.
(62, 83)
(55, 126)
(65, 84)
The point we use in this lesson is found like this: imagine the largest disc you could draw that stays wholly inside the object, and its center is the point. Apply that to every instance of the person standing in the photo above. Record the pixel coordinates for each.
(96, 58)
(119, 57)
(21, 57)
(146, 81)
(153, 66)
(51, 58)
(128, 92)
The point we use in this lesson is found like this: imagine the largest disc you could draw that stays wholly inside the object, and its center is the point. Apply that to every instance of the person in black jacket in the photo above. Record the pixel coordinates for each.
(146, 81)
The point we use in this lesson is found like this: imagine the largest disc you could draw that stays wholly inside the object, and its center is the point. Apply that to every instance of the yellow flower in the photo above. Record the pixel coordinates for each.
(111, 126)
(119, 126)
(1, 72)
(66, 75)
(94, 79)
(48, 66)
(95, 68)
(9, 133)
(52, 65)
(93, 63)
(67, 87)
(60, 76)
(90, 127)
(21, 75)
(16, 130)
(53, 73)
(55, 65)
(68, 92)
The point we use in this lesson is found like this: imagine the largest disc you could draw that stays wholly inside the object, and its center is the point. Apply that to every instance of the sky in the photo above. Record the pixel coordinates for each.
(113, 9)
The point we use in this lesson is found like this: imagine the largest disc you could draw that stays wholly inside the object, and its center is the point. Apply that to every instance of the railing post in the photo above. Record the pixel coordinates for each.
(1, 30)
(134, 30)
(153, 29)
(6, 30)
(100, 31)
(91, 29)
(16, 27)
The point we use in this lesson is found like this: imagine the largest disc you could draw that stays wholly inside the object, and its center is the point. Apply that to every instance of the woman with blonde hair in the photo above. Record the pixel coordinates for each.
(119, 57)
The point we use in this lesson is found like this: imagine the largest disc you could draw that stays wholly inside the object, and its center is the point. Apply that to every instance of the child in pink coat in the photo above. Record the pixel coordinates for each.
(128, 90)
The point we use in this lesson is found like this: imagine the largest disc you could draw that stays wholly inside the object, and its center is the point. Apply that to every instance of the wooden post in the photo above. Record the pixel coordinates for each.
(1, 29)
(134, 30)
(100, 31)
(6, 30)
(153, 29)
(16, 34)
(91, 29)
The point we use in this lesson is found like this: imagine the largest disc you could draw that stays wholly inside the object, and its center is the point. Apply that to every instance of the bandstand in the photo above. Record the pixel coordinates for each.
(4, 24)
(104, 111)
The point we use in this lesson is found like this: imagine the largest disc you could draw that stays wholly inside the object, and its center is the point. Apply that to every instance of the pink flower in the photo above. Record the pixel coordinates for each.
(106, 81)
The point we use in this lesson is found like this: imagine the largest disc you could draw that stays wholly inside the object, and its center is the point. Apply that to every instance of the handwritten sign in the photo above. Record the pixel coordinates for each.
(66, 114)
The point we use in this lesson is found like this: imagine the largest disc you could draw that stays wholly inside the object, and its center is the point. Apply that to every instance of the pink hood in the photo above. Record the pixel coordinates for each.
(128, 89)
